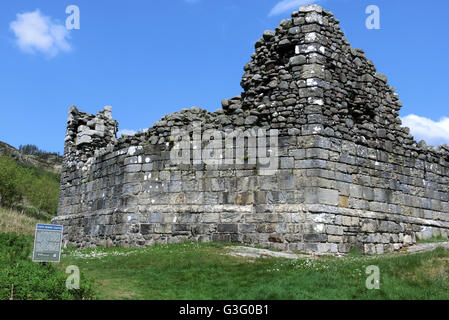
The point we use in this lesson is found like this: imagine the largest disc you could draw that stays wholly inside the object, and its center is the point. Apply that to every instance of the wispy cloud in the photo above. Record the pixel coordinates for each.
(288, 6)
(433, 132)
(126, 132)
(129, 132)
(36, 32)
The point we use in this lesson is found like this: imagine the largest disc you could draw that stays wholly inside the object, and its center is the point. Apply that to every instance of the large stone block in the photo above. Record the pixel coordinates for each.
(321, 196)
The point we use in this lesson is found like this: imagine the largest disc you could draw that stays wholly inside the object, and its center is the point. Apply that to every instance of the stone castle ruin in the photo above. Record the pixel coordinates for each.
(336, 169)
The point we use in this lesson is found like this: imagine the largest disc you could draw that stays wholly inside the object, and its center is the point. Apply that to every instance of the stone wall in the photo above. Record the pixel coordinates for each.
(340, 171)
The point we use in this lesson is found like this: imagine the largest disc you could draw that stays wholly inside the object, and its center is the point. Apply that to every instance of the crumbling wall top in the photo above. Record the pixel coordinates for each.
(304, 78)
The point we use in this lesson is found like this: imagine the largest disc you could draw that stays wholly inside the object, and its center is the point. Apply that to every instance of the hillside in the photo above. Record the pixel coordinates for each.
(50, 162)
(20, 222)
(29, 183)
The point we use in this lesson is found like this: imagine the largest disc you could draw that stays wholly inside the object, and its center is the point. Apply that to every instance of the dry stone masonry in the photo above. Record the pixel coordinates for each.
(347, 174)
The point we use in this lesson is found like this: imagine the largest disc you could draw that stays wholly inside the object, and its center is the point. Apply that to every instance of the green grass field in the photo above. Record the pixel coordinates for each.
(203, 271)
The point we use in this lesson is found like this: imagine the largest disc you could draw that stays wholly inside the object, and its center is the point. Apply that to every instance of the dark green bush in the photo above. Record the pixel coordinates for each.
(31, 280)
(38, 187)
(10, 189)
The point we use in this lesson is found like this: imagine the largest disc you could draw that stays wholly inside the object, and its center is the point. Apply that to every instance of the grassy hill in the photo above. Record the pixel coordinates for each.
(30, 189)
(19, 222)
(51, 162)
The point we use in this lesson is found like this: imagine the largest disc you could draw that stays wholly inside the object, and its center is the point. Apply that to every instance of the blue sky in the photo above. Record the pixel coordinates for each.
(147, 58)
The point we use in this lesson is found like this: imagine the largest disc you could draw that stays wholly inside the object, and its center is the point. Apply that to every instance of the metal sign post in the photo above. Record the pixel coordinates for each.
(47, 243)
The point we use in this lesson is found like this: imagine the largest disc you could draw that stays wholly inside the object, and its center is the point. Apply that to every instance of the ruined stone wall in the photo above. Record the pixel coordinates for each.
(342, 171)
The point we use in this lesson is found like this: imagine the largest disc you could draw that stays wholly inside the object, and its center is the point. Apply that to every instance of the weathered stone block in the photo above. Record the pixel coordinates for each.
(133, 168)
(315, 237)
(321, 195)
(228, 228)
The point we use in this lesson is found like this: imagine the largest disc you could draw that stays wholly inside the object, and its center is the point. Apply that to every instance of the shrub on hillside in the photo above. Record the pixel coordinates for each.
(41, 190)
(38, 187)
(10, 190)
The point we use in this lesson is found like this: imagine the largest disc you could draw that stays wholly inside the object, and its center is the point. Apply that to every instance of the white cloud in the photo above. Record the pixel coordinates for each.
(126, 132)
(289, 5)
(433, 132)
(129, 132)
(36, 32)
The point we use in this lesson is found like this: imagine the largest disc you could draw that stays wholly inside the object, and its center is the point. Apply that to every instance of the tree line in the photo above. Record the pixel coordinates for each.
(31, 149)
